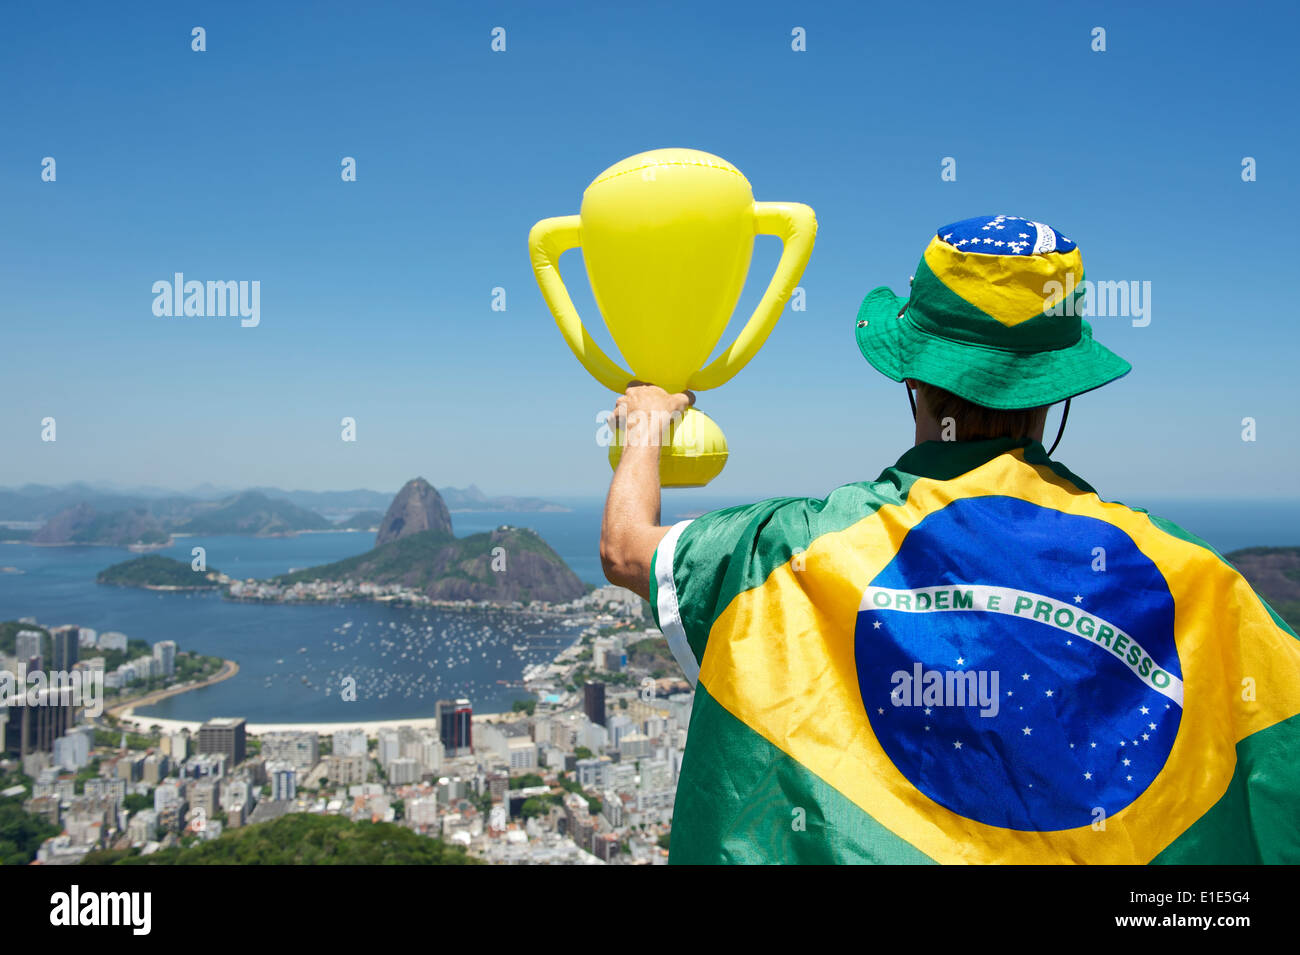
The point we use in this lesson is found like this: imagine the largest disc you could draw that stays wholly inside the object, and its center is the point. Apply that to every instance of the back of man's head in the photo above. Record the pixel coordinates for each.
(972, 422)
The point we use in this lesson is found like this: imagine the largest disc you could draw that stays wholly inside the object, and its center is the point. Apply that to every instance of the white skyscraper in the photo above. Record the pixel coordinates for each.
(389, 747)
(164, 654)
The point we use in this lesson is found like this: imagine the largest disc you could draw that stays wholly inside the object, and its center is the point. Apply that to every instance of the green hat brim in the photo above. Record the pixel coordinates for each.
(992, 377)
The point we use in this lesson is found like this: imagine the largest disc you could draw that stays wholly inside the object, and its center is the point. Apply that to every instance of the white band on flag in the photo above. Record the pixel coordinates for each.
(1045, 240)
(981, 598)
(670, 614)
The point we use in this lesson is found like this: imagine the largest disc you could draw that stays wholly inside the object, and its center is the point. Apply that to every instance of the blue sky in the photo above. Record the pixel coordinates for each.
(376, 295)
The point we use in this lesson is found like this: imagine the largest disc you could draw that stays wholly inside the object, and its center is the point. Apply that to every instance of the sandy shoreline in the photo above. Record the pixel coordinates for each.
(125, 713)
(124, 710)
(372, 727)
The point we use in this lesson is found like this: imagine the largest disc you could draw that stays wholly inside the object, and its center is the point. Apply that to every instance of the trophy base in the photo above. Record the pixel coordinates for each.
(695, 453)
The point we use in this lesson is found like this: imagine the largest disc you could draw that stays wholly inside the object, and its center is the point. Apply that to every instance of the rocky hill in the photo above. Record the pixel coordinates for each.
(252, 512)
(445, 567)
(82, 524)
(417, 549)
(361, 521)
(156, 572)
(418, 507)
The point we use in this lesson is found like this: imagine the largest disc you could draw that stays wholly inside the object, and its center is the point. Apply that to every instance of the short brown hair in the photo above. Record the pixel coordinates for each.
(975, 422)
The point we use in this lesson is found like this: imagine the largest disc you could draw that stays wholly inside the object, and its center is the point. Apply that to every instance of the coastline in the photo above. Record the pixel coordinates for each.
(125, 711)
(372, 727)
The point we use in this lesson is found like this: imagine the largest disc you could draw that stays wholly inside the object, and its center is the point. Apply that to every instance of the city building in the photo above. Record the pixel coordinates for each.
(143, 827)
(634, 745)
(388, 746)
(607, 654)
(65, 647)
(619, 726)
(205, 766)
(347, 770)
(237, 796)
(72, 749)
(175, 745)
(103, 788)
(402, 771)
(156, 768)
(168, 794)
(205, 797)
(27, 648)
(456, 726)
(512, 742)
(130, 767)
(34, 727)
(424, 747)
(300, 749)
(164, 654)
(224, 735)
(284, 781)
(593, 702)
(112, 640)
(595, 774)
(350, 743)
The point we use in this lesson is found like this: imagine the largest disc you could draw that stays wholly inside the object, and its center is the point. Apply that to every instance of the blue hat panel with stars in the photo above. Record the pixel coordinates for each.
(1014, 600)
(1004, 235)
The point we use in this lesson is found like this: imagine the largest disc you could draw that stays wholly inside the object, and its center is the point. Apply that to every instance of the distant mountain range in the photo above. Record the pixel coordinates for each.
(415, 547)
(85, 514)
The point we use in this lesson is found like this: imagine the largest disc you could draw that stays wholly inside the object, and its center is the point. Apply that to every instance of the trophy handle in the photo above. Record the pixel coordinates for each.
(796, 224)
(547, 241)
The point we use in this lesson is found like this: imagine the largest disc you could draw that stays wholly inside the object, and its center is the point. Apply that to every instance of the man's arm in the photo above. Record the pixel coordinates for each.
(630, 530)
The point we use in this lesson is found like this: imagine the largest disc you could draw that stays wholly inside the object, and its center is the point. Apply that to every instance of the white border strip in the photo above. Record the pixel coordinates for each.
(982, 598)
(670, 614)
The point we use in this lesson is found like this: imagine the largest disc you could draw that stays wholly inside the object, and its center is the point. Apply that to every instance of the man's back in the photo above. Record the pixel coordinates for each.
(974, 659)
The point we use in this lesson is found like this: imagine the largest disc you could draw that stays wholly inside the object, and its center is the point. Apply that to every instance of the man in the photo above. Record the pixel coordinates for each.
(972, 658)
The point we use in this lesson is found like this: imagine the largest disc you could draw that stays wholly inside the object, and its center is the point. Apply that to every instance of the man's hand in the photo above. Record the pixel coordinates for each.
(630, 530)
(646, 411)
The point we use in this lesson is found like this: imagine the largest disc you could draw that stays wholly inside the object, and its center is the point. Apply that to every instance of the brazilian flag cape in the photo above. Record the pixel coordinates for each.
(975, 659)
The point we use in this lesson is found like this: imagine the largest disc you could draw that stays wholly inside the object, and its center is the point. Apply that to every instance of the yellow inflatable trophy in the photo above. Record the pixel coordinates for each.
(667, 237)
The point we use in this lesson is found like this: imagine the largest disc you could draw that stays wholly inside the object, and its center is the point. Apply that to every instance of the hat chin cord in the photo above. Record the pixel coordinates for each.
(1065, 413)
